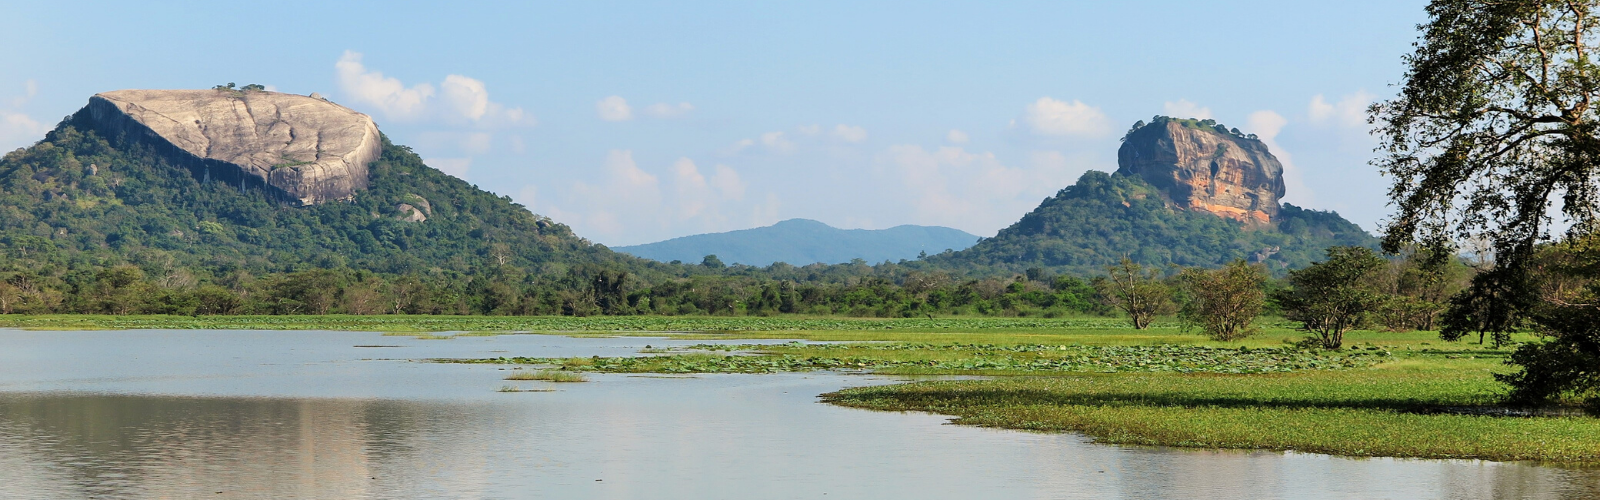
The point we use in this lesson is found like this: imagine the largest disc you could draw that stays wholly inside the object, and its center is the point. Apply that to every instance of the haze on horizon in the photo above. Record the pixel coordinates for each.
(638, 122)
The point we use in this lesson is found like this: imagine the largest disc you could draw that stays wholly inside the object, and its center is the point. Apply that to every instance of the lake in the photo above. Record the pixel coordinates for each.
(315, 414)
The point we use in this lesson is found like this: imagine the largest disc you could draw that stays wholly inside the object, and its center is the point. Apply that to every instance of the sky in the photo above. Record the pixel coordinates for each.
(635, 122)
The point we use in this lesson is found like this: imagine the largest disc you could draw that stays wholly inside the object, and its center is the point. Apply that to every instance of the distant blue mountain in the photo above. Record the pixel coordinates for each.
(802, 241)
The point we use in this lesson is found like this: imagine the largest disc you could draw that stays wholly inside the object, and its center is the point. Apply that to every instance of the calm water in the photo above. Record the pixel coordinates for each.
(228, 414)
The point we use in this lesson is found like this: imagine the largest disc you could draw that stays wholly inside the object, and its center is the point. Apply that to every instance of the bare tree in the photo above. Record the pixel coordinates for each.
(1136, 291)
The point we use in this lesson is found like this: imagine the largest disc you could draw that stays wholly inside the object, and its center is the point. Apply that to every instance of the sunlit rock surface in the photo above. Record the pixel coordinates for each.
(308, 150)
(1203, 168)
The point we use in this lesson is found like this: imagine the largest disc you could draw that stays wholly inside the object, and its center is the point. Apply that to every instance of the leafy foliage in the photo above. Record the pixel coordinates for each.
(1198, 124)
(1494, 121)
(1494, 124)
(75, 200)
(1103, 217)
(1332, 297)
(1567, 277)
(1224, 302)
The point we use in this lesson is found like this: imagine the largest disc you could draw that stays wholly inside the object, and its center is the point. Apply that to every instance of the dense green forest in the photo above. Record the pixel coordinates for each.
(1104, 217)
(76, 201)
(95, 227)
(91, 225)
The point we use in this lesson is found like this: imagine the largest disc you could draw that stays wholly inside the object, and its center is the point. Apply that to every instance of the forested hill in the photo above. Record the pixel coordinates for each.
(79, 201)
(1104, 217)
(801, 241)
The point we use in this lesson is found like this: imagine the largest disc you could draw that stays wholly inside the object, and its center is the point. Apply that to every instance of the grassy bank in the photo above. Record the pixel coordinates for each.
(1416, 406)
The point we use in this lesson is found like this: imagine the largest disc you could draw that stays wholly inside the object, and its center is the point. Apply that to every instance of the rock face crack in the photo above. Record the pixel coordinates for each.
(306, 150)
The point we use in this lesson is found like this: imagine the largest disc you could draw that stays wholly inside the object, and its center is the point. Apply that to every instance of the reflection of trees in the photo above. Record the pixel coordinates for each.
(172, 447)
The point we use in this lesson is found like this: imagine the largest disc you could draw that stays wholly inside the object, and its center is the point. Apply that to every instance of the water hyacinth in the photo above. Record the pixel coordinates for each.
(972, 357)
(412, 323)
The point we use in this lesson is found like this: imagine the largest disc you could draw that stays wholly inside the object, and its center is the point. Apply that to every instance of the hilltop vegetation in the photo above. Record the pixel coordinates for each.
(77, 201)
(1104, 217)
(89, 226)
(107, 227)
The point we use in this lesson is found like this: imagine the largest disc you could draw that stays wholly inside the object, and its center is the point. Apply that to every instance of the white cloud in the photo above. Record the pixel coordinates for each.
(614, 109)
(1266, 124)
(1185, 109)
(30, 88)
(458, 99)
(625, 173)
(454, 166)
(777, 142)
(766, 212)
(630, 203)
(1060, 118)
(465, 96)
(956, 137)
(848, 133)
(18, 130)
(1350, 111)
(809, 129)
(974, 191)
(727, 182)
(386, 94)
(701, 197)
(624, 188)
(476, 143)
(527, 196)
(691, 188)
(664, 110)
(738, 146)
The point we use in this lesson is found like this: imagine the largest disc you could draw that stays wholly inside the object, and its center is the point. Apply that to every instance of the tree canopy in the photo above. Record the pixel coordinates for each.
(1495, 137)
(1494, 126)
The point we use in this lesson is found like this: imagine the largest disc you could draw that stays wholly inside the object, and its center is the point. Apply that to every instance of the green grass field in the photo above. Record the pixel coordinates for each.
(1385, 394)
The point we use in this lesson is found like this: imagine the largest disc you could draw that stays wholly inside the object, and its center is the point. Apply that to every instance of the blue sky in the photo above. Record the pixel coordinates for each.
(639, 121)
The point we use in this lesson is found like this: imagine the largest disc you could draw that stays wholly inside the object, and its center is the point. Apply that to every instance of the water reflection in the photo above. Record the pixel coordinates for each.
(302, 422)
(174, 447)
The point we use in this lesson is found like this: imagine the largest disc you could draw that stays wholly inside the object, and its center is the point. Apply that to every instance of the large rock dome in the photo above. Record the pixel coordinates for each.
(306, 149)
(1200, 165)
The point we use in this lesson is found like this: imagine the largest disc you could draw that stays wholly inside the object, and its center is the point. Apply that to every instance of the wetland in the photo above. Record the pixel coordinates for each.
(1071, 410)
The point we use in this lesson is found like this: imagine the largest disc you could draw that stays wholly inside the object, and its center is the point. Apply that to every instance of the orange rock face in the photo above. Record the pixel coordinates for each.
(1206, 169)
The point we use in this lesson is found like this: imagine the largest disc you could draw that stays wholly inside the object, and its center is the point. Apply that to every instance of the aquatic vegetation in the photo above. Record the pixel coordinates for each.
(1435, 406)
(548, 376)
(402, 324)
(964, 358)
(420, 336)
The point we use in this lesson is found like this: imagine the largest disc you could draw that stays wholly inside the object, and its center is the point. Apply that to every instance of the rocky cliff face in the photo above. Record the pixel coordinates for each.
(1202, 166)
(306, 150)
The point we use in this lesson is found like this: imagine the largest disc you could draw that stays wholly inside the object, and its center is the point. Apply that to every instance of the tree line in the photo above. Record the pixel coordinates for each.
(1353, 288)
(1404, 293)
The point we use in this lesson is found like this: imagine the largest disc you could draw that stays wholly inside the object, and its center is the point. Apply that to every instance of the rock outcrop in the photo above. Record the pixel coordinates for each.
(1200, 165)
(306, 150)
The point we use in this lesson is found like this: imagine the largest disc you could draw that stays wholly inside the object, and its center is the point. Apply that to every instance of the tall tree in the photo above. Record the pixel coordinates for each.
(1494, 123)
(1334, 296)
(1495, 129)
